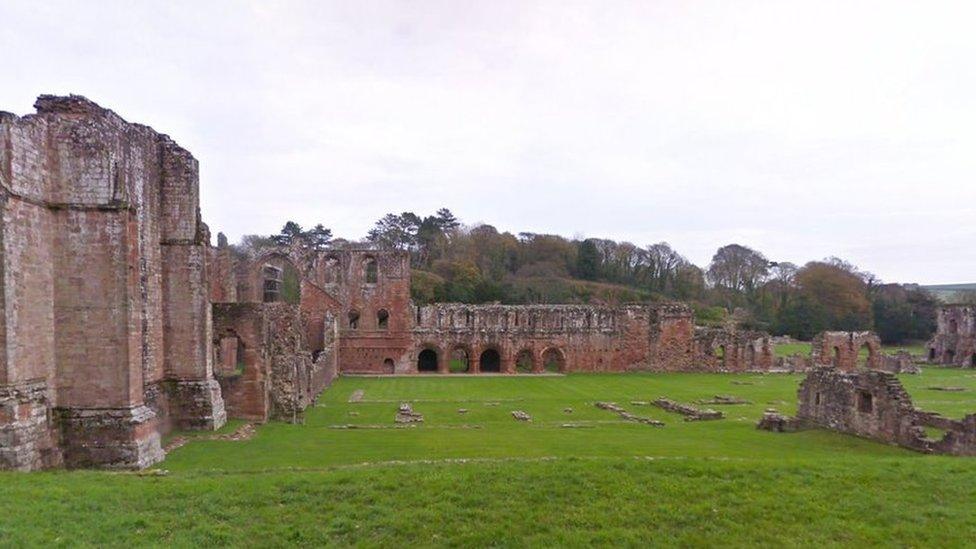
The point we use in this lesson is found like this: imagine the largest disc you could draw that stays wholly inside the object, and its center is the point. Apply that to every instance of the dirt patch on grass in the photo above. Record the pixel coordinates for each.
(244, 432)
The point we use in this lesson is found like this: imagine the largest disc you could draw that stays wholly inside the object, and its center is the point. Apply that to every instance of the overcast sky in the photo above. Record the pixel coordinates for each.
(802, 129)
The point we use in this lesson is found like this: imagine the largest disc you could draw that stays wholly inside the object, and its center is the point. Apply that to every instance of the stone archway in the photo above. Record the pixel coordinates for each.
(427, 361)
(459, 360)
(553, 360)
(490, 362)
(525, 362)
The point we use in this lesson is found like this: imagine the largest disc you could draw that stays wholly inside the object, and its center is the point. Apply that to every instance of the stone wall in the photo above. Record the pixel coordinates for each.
(104, 300)
(265, 367)
(841, 350)
(724, 350)
(954, 342)
(553, 337)
(874, 404)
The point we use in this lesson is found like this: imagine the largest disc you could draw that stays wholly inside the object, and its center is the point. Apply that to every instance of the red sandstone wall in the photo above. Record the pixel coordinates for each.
(245, 393)
(591, 339)
(366, 348)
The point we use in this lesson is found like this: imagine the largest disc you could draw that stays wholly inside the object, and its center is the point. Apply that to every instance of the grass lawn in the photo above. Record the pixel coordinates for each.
(574, 475)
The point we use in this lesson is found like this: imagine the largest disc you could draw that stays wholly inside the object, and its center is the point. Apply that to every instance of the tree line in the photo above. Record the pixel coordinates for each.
(479, 264)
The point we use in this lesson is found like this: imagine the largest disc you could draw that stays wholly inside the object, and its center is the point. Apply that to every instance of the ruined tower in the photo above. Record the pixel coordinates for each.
(104, 312)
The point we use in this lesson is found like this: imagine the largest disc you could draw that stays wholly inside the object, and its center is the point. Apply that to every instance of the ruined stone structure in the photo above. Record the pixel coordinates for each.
(875, 405)
(841, 350)
(954, 342)
(119, 321)
(274, 334)
(722, 350)
(362, 295)
(105, 317)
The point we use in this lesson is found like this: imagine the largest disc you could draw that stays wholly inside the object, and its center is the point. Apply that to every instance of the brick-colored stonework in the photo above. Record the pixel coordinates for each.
(360, 298)
(954, 342)
(841, 350)
(874, 404)
(104, 308)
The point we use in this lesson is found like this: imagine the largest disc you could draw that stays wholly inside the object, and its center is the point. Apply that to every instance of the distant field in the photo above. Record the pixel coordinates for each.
(574, 475)
(950, 293)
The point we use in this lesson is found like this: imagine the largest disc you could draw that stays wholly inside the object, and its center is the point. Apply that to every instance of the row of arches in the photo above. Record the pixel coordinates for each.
(490, 360)
(729, 355)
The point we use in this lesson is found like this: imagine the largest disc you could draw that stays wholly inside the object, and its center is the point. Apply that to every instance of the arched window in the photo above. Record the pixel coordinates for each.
(272, 283)
(353, 320)
(370, 270)
(953, 326)
(331, 270)
(382, 319)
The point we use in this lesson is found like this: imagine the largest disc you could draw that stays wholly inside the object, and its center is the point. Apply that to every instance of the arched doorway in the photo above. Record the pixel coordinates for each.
(427, 361)
(490, 362)
(524, 362)
(460, 361)
(750, 355)
(865, 356)
(389, 366)
(553, 360)
(722, 356)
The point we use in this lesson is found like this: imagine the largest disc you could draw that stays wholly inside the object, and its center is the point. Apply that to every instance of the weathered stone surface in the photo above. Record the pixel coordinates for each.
(874, 404)
(841, 350)
(777, 422)
(27, 437)
(104, 296)
(405, 414)
(115, 438)
(691, 413)
(521, 415)
(724, 350)
(954, 342)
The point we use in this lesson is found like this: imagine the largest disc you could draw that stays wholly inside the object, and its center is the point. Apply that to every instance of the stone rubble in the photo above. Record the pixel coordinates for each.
(520, 415)
(405, 414)
(691, 413)
(612, 407)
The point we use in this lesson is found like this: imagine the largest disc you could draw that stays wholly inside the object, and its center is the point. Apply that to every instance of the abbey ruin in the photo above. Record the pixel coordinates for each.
(121, 322)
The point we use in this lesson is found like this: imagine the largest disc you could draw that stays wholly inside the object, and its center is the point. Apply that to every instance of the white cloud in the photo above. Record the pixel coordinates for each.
(804, 129)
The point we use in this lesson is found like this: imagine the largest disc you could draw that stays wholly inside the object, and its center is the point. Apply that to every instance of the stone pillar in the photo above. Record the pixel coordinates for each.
(194, 395)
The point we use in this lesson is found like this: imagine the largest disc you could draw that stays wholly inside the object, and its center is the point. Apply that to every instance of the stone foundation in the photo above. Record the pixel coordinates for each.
(112, 438)
(26, 435)
(196, 405)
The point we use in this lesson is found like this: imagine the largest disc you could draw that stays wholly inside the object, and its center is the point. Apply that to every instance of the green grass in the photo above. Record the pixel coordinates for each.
(482, 478)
